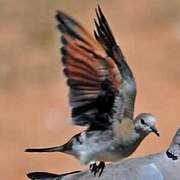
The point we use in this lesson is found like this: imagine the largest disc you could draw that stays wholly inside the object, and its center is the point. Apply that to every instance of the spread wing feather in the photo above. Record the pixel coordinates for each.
(93, 78)
(124, 103)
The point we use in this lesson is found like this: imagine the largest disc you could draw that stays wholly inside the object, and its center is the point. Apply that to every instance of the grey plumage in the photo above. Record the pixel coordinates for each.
(105, 145)
(102, 93)
(157, 166)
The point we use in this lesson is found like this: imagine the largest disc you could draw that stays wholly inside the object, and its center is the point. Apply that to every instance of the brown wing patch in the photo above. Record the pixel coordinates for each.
(87, 70)
(82, 57)
(91, 41)
(81, 66)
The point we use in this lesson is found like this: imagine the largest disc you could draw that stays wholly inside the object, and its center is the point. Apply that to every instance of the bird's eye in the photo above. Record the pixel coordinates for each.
(142, 121)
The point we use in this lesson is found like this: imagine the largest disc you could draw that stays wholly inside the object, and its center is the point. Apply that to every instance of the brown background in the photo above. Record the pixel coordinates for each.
(33, 96)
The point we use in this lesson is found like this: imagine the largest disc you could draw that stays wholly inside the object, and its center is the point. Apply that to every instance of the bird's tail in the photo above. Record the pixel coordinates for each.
(46, 175)
(51, 149)
(42, 175)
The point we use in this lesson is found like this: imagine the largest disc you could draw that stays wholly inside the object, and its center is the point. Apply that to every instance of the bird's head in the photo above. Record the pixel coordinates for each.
(145, 123)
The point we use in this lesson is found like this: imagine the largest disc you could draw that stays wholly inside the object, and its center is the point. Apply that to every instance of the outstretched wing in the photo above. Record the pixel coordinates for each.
(124, 104)
(93, 78)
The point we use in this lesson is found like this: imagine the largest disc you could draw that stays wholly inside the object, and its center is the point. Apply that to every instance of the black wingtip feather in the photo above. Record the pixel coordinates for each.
(64, 60)
(63, 18)
(63, 51)
(104, 34)
(67, 25)
(63, 40)
(66, 72)
(96, 36)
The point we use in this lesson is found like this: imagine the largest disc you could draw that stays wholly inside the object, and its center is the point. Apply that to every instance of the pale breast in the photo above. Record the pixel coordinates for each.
(109, 157)
(124, 129)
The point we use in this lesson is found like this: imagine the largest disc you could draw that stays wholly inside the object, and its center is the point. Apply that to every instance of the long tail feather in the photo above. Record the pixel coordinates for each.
(46, 175)
(41, 175)
(51, 149)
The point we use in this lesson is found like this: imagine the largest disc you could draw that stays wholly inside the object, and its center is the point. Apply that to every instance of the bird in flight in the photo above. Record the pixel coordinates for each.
(102, 93)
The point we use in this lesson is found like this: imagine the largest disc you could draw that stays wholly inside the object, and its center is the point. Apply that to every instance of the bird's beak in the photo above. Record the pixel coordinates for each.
(154, 130)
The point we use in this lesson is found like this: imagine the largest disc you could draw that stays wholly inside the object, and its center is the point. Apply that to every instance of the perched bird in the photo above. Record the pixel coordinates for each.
(102, 93)
(158, 166)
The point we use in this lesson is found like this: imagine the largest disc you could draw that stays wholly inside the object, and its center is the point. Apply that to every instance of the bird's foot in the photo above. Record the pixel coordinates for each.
(93, 167)
(97, 169)
(171, 155)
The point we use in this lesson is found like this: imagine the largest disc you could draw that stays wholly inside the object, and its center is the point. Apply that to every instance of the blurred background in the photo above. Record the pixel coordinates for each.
(33, 96)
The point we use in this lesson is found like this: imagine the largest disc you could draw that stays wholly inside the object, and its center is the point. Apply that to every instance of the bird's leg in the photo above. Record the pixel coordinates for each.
(93, 167)
(171, 155)
(101, 167)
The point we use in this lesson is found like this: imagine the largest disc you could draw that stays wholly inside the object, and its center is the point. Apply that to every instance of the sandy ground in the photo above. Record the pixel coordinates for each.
(33, 95)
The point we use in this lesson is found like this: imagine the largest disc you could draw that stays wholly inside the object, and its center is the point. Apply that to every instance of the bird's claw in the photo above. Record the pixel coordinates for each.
(97, 168)
(93, 167)
(171, 155)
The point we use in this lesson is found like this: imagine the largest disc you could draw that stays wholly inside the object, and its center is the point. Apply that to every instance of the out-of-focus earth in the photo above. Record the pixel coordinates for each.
(34, 109)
